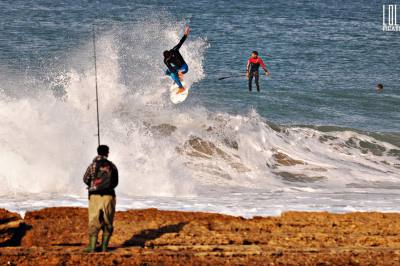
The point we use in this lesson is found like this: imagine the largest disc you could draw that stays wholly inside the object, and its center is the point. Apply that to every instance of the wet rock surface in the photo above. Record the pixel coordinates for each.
(12, 228)
(56, 236)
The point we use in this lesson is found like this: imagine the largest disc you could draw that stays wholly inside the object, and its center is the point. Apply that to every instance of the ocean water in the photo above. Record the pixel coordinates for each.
(317, 137)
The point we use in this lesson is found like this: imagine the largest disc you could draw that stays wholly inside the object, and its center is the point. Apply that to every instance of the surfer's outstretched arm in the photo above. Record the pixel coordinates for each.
(185, 35)
(264, 67)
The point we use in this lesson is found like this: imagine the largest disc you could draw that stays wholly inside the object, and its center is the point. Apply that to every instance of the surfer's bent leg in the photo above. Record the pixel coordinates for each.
(184, 69)
(175, 77)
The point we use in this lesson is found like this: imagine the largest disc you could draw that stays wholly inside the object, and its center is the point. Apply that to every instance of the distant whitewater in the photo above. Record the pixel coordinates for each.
(176, 157)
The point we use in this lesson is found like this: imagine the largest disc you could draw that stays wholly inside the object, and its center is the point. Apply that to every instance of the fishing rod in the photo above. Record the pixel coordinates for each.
(97, 94)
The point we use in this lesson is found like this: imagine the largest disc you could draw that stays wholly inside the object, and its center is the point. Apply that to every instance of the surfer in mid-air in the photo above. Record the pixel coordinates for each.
(253, 64)
(177, 66)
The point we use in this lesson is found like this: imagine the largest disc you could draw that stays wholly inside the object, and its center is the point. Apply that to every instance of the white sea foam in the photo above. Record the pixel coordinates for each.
(174, 157)
(48, 141)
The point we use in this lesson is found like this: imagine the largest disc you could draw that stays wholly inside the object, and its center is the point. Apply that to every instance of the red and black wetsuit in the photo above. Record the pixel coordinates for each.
(253, 66)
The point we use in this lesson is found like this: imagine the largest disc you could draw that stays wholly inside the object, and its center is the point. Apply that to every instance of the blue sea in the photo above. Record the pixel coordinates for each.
(317, 137)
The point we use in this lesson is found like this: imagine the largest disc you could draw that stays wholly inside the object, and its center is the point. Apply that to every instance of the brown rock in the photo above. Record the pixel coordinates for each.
(163, 130)
(285, 160)
(56, 226)
(11, 228)
(198, 147)
(152, 237)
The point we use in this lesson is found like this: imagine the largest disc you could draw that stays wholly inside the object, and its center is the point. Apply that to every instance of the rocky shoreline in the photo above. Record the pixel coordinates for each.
(56, 236)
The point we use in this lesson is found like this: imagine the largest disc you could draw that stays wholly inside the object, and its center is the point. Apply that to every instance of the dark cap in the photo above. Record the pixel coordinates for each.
(103, 150)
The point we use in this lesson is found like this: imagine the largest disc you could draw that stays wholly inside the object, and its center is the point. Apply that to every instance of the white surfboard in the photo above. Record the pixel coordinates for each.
(174, 96)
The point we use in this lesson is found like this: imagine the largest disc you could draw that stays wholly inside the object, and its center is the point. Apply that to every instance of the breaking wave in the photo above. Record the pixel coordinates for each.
(48, 137)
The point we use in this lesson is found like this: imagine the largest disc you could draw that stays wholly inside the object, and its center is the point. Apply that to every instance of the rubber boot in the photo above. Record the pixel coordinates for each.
(104, 244)
(92, 245)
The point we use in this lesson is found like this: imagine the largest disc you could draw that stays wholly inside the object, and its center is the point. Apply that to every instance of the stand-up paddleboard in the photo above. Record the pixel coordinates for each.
(175, 97)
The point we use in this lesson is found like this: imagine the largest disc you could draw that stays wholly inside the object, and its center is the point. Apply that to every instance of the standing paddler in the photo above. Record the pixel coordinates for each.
(253, 64)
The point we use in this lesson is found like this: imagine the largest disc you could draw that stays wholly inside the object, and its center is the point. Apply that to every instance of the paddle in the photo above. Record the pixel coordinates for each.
(234, 76)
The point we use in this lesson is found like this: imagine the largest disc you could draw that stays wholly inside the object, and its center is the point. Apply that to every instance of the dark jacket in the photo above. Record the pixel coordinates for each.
(91, 172)
(175, 60)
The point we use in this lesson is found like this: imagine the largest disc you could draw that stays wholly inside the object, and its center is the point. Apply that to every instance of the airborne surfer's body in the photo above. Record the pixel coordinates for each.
(175, 63)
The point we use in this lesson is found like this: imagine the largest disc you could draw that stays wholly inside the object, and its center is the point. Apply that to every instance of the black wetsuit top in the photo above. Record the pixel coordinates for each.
(175, 60)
